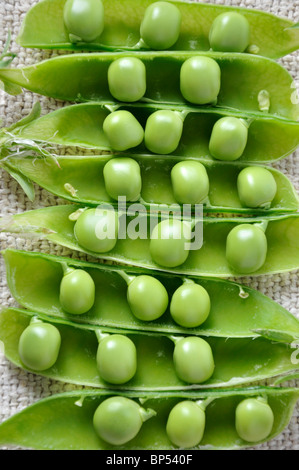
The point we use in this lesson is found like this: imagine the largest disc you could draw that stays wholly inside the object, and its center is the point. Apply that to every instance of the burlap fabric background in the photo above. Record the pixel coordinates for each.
(18, 388)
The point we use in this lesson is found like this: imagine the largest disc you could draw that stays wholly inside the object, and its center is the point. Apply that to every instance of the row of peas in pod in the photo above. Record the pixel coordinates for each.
(195, 342)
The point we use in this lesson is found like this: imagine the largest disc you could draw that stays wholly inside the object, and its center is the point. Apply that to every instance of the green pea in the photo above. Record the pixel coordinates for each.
(77, 292)
(163, 131)
(96, 230)
(39, 345)
(254, 419)
(160, 27)
(84, 19)
(256, 187)
(230, 32)
(200, 80)
(127, 79)
(116, 359)
(228, 138)
(246, 248)
(123, 178)
(190, 182)
(186, 424)
(147, 297)
(190, 305)
(122, 130)
(117, 420)
(193, 360)
(169, 244)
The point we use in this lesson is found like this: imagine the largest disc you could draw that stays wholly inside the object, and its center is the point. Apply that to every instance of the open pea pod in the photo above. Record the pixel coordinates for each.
(269, 137)
(233, 361)
(244, 80)
(34, 280)
(62, 176)
(205, 255)
(65, 421)
(44, 27)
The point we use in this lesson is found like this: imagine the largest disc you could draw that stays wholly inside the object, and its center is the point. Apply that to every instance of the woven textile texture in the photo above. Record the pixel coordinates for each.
(18, 388)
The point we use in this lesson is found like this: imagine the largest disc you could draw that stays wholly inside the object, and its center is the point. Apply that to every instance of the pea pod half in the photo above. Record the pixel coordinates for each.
(163, 362)
(247, 83)
(62, 176)
(82, 125)
(65, 420)
(269, 35)
(130, 242)
(235, 310)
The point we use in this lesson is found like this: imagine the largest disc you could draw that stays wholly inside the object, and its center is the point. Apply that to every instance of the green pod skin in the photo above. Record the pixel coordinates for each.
(123, 131)
(84, 19)
(256, 187)
(160, 26)
(193, 360)
(254, 419)
(77, 292)
(111, 307)
(39, 345)
(207, 259)
(200, 80)
(186, 424)
(271, 35)
(152, 435)
(163, 131)
(190, 305)
(228, 139)
(230, 32)
(147, 297)
(169, 243)
(190, 182)
(127, 79)
(97, 230)
(122, 178)
(116, 359)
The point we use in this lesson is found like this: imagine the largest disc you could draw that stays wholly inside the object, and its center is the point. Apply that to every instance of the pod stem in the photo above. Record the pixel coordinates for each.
(35, 319)
(262, 225)
(247, 122)
(146, 413)
(182, 114)
(126, 277)
(66, 268)
(174, 338)
(186, 280)
(100, 335)
(204, 403)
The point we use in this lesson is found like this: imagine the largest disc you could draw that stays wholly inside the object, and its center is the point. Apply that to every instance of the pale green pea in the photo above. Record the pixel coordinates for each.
(84, 19)
(228, 138)
(193, 360)
(122, 130)
(254, 419)
(160, 27)
(127, 79)
(97, 230)
(256, 187)
(77, 292)
(163, 131)
(186, 424)
(122, 177)
(170, 243)
(200, 80)
(190, 182)
(190, 305)
(147, 297)
(230, 32)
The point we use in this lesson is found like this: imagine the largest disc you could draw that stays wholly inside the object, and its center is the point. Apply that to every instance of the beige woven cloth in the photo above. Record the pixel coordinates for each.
(18, 388)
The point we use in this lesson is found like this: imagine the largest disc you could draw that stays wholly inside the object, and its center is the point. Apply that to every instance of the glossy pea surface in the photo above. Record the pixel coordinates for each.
(254, 419)
(200, 80)
(117, 420)
(190, 182)
(193, 360)
(256, 187)
(122, 130)
(122, 177)
(160, 26)
(228, 139)
(77, 292)
(96, 230)
(163, 131)
(246, 248)
(186, 424)
(39, 346)
(127, 79)
(116, 359)
(230, 32)
(84, 19)
(190, 305)
(169, 244)
(147, 297)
